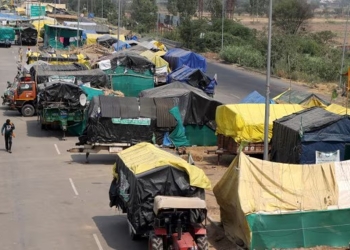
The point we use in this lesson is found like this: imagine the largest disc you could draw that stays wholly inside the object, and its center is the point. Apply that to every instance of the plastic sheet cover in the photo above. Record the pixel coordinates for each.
(195, 106)
(137, 180)
(177, 57)
(64, 93)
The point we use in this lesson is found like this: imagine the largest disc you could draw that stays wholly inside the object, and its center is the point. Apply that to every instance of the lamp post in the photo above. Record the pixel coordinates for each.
(268, 74)
(118, 24)
(222, 24)
(78, 37)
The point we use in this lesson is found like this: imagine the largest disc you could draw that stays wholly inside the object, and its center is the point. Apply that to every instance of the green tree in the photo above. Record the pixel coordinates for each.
(214, 7)
(144, 12)
(172, 8)
(290, 15)
(186, 8)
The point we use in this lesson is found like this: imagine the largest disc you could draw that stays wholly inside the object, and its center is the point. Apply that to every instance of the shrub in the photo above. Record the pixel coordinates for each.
(243, 55)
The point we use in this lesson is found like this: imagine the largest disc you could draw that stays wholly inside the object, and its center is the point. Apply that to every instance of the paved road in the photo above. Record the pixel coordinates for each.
(236, 83)
(49, 198)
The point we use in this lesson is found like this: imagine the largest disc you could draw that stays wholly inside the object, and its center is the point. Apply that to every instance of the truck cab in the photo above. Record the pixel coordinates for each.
(25, 96)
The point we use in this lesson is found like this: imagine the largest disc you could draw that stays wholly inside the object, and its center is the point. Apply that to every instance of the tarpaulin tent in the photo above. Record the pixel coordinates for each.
(195, 78)
(297, 137)
(130, 73)
(178, 57)
(196, 108)
(162, 66)
(68, 34)
(270, 205)
(118, 120)
(138, 180)
(303, 98)
(120, 45)
(255, 97)
(109, 40)
(49, 67)
(39, 24)
(96, 77)
(337, 109)
(245, 122)
(59, 59)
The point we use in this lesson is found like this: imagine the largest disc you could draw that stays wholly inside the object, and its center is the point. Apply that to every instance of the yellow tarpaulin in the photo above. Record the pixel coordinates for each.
(337, 109)
(307, 100)
(91, 38)
(145, 156)
(20, 11)
(39, 24)
(245, 122)
(251, 185)
(81, 58)
(157, 60)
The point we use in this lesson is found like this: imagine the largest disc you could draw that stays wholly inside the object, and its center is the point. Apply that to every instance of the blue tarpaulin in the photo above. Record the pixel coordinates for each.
(255, 97)
(12, 17)
(179, 57)
(193, 77)
(122, 45)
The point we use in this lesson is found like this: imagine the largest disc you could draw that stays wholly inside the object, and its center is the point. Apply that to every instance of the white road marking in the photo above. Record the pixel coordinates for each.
(98, 243)
(73, 186)
(57, 150)
(235, 96)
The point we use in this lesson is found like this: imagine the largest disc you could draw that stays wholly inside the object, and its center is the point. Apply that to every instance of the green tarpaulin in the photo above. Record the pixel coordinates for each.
(200, 135)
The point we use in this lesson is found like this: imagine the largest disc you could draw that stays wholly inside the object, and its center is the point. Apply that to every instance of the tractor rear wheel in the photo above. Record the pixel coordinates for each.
(155, 242)
(202, 242)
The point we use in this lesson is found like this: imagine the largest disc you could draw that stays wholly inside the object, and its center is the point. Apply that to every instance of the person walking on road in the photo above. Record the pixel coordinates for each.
(7, 129)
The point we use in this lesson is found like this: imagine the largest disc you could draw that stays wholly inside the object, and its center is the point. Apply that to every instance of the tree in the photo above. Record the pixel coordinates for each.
(186, 8)
(258, 7)
(144, 12)
(290, 15)
(214, 7)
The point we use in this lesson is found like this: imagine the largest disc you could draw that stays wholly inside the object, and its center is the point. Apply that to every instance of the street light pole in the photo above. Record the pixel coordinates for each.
(118, 24)
(78, 37)
(267, 103)
(222, 24)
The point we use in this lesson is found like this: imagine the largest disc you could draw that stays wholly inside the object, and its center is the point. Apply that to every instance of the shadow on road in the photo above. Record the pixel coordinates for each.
(34, 130)
(103, 159)
(114, 230)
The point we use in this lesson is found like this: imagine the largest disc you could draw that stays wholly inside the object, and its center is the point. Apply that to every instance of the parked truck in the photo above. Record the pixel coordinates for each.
(7, 36)
(163, 197)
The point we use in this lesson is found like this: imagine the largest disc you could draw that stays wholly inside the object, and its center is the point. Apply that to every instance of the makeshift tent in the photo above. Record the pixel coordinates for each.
(162, 66)
(39, 24)
(49, 67)
(297, 137)
(138, 180)
(337, 109)
(27, 35)
(196, 108)
(245, 122)
(120, 45)
(300, 97)
(96, 77)
(130, 73)
(60, 59)
(109, 40)
(61, 37)
(156, 45)
(178, 57)
(270, 205)
(195, 78)
(255, 97)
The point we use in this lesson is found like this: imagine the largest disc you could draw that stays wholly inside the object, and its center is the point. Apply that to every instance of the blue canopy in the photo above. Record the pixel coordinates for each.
(122, 45)
(255, 97)
(12, 17)
(193, 77)
(179, 57)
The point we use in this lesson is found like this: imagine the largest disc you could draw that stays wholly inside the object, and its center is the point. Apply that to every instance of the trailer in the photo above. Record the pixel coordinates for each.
(94, 148)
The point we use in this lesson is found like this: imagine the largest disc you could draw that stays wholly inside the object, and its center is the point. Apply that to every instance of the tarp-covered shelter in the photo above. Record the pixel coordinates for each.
(61, 37)
(303, 98)
(120, 45)
(255, 97)
(109, 40)
(119, 120)
(96, 77)
(49, 67)
(130, 73)
(297, 137)
(138, 180)
(338, 109)
(270, 205)
(196, 108)
(162, 66)
(59, 59)
(245, 122)
(177, 57)
(195, 78)
(27, 35)
(39, 24)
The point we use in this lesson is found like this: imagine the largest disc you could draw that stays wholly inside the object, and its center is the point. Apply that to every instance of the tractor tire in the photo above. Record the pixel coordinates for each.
(155, 242)
(202, 242)
(28, 110)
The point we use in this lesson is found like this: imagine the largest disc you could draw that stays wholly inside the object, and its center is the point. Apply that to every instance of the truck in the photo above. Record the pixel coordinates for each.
(7, 36)
(163, 197)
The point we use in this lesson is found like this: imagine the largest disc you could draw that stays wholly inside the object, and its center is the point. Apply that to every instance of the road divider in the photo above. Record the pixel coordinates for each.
(98, 243)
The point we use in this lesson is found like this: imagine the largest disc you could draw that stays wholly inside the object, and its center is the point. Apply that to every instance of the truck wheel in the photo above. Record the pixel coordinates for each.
(155, 242)
(28, 110)
(202, 242)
